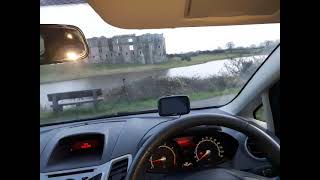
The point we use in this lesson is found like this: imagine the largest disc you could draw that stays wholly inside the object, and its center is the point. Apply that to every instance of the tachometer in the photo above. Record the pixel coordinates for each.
(163, 157)
(208, 151)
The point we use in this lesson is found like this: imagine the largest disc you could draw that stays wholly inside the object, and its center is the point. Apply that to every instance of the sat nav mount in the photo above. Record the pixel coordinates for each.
(173, 105)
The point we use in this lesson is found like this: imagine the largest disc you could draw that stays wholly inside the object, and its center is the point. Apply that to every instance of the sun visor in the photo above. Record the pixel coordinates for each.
(230, 8)
(150, 14)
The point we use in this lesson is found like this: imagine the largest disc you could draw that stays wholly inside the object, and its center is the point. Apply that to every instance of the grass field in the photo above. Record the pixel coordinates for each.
(120, 106)
(70, 71)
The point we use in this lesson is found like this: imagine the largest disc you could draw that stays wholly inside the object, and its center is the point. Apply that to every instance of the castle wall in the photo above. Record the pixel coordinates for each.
(128, 49)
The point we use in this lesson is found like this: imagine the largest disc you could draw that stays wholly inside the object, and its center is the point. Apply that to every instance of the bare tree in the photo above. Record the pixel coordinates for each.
(268, 46)
(242, 68)
(236, 67)
(230, 46)
(253, 46)
(268, 43)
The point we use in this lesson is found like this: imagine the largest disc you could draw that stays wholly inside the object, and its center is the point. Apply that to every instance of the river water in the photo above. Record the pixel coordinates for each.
(111, 81)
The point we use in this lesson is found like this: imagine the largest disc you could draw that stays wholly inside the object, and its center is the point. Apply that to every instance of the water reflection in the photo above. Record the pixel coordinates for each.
(200, 70)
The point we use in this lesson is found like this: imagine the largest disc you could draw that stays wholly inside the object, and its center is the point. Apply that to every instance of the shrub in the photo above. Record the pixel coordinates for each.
(186, 57)
(153, 87)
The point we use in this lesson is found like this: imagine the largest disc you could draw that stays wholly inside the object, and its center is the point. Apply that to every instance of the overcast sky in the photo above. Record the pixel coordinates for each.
(177, 39)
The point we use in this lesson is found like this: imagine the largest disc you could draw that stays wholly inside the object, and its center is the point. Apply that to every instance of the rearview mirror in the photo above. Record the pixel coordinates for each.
(61, 43)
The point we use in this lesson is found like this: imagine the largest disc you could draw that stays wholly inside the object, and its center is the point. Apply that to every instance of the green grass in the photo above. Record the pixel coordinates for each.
(70, 71)
(121, 106)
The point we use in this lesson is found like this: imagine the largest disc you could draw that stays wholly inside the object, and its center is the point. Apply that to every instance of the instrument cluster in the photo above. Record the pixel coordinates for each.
(192, 151)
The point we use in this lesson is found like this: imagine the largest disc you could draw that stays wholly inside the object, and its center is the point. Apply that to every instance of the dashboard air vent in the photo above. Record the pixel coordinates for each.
(70, 173)
(118, 170)
(253, 148)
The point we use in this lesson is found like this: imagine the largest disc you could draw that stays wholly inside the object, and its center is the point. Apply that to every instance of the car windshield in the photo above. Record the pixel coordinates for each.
(127, 71)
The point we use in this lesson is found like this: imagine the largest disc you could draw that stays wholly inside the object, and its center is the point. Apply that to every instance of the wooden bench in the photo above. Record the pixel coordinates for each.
(94, 94)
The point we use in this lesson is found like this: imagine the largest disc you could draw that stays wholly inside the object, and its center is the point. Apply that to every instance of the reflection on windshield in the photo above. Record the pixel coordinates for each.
(128, 70)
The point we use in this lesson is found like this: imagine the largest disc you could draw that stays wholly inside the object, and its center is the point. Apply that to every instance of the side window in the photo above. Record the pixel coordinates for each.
(258, 114)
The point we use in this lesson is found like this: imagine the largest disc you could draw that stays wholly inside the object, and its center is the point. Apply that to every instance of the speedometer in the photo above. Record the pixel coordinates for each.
(208, 151)
(163, 157)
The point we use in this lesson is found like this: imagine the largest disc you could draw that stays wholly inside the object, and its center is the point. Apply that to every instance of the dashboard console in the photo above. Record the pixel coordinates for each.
(103, 149)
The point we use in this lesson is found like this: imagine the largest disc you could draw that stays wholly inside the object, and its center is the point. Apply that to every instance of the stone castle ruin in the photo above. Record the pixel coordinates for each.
(127, 49)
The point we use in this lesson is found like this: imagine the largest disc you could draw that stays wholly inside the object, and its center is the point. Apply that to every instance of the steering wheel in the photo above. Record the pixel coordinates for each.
(270, 147)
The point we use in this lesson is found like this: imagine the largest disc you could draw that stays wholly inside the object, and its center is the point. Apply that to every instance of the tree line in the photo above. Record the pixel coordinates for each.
(230, 48)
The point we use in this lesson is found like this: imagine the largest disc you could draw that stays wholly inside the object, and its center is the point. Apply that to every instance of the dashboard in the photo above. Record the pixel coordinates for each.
(195, 149)
(104, 148)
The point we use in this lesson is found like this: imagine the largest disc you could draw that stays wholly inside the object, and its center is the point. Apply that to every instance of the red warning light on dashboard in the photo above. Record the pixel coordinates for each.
(184, 141)
(88, 144)
(85, 146)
